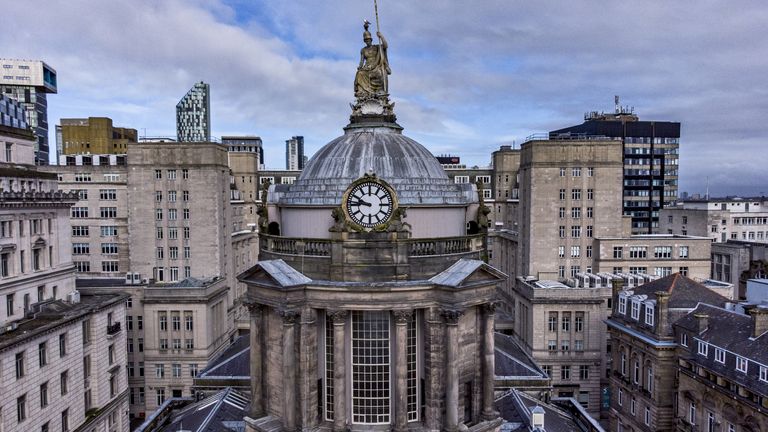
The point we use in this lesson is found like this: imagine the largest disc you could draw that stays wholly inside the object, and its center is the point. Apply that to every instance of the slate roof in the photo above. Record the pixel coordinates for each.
(233, 362)
(283, 274)
(515, 408)
(512, 361)
(414, 173)
(685, 293)
(731, 331)
(221, 412)
(462, 269)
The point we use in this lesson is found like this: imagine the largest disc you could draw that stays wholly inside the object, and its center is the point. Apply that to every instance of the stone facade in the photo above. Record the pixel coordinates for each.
(657, 254)
(720, 219)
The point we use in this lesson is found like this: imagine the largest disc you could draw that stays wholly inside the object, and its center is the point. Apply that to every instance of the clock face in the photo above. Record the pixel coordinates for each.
(369, 204)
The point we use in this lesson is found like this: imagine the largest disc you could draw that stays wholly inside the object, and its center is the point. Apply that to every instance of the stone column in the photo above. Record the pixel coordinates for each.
(433, 368)
(257, 392)
(452, 370)
(308, 368)
(401, 368)
(289, 369)
(339, 319)
(489, 357)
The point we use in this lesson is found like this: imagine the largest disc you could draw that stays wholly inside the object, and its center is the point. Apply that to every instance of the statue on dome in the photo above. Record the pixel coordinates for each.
(372, 73)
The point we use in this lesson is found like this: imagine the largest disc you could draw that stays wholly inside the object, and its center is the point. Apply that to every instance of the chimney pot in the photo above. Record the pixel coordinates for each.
(703, 321)
(760, 319)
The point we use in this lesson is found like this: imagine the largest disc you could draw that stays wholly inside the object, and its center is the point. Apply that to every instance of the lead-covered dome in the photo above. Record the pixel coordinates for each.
(414, 173)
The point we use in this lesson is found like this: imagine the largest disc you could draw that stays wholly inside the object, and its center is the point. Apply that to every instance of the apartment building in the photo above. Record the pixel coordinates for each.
(62, 352)
(721, 219)
(93, 135)
(643, 387)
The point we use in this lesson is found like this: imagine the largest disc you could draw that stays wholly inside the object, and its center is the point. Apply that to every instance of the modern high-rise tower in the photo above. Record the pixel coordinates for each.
(29, 81)
(650, 161)
(294, 153)
(193, 115)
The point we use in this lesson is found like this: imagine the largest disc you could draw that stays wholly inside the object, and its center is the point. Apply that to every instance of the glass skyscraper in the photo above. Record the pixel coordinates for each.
(29, 82)
(193, 115)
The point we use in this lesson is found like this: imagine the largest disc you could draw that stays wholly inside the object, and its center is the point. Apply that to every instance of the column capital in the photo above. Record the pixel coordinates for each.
(451, 316)
(337, 316)
(253, 307)
(490, 307)
(402, 316)
(289, 316)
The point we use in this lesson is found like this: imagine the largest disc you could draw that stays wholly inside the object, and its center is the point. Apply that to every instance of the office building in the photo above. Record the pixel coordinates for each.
(721, 219)
(650, 161)
(93, 135)
(245, 144)
(737, 261)
(62, 351)
(12, 113)
(29, 82)
(294, 153)
(193, 115)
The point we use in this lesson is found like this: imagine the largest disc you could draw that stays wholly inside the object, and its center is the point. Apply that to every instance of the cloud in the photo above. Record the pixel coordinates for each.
(467, 77)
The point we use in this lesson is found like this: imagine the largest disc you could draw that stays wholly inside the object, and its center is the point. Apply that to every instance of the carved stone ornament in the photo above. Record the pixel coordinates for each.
(490, 307)
(337, 316)
(402, 316)
(253, 307)
(452, 316)
(289, 316)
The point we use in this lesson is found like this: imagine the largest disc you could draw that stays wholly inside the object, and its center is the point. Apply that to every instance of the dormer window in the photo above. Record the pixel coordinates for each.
(649, 309)
(741, 364)
(636, 310)
(703, 348)
(622, 305)
(684, 339)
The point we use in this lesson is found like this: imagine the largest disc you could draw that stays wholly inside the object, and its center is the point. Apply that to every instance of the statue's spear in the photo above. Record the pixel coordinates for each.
(376, 10)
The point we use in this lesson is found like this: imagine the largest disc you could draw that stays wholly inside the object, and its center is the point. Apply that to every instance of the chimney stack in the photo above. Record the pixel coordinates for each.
(662, 309)
(702, 320)
(760, 318)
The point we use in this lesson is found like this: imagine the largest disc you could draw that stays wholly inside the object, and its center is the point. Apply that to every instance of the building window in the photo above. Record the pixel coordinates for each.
(562, 194)
(638, 252)
(108, 194)
(622, 305)
(185, 214)
(565, 372)
(566, 322)
(684, 339)
(552, 322)
(171, 174)
(561, 272)
(763, 373)
(578, 345)
(44, 395)
(576, 231)
(457, 179)
(193, 371)
(576, 212)
(703, 348)
(552, 345)
(576, 172)
(683, 251)
(188, 324)
(185, 174)
(692, 413)
(370, 367)
(176, 370)
(79, 212)
(19, 365)
(185, 195)
(741, 364)
(108, 212)
(584, 372)
(562, 172)
(590, 172)
(159, 214)
(160, 396)
(21, 408)
(589, 231)
(578, 322)
(64, 382)
(42, 355)
(160, 371)
(565, 345)
(590, 194)
(720, 355)
(163, 319)
(647, 416)
(590, 212)
(635, 309)
(633, 406)
(662, 252)
(684, 271)
(620, 397)
(575, 251)
(561, 232)
(62, 345)
(562, 212)
(190, 344)
(649, 378)
(662, 271)
(623, 364)
(575, 194)
(649, 310)
(110, 266)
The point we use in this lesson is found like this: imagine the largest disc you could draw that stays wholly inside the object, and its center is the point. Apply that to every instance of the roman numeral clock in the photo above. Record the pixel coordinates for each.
(369, 202)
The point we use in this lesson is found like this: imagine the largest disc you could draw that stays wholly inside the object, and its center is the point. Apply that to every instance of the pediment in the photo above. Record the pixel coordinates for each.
(273, 273)
(467, 272)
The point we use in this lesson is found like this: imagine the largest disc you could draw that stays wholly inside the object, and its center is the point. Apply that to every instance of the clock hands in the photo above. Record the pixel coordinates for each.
(361, 202)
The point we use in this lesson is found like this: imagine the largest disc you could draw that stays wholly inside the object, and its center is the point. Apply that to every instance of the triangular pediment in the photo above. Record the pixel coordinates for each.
(466, 272)
(273, 273)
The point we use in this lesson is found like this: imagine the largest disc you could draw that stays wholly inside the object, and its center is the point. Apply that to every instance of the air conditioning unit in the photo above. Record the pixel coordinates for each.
(129, 278)
(137, 278)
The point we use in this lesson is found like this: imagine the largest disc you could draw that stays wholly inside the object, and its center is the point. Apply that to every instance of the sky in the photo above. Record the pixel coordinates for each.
(466, 78)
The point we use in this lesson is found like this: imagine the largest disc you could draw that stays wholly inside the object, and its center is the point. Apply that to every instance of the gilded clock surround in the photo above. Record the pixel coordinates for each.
(381, 224)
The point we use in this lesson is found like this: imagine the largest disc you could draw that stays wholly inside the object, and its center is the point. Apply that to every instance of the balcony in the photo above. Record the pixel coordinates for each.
(113, 329)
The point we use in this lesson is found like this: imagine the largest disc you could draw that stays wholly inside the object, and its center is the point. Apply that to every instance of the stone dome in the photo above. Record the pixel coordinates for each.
(414, 173)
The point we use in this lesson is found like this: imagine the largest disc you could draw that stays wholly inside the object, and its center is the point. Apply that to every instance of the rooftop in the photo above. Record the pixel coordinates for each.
(685, 293)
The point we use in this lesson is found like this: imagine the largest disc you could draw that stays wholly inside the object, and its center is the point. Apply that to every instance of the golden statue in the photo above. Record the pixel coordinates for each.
(372, 73)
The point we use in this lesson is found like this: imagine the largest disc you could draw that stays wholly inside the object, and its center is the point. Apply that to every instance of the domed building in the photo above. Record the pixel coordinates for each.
(371, 305)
